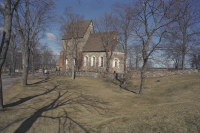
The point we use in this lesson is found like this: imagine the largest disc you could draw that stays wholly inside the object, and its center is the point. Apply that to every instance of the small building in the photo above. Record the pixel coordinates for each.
(87, 50)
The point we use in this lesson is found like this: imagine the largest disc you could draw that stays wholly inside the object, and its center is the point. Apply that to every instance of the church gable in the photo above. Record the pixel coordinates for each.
(79, 29)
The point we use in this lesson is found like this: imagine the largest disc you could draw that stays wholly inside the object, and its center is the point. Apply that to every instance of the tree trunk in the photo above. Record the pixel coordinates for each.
(183, 60)
(184, 49)
(176, 64)
(4, 67)
(72, 61)
(136, 63)
(125, 57)
(143, 76)
(25, 63)
(12, 54)
(9, 70)
(25, 49)
(13, 68)
(175, 68)
(2, 60)
(72, 68)
(5, 42)
(33, 67)
(24, 72)
(107, 63)
(1, 93)
(64, 58)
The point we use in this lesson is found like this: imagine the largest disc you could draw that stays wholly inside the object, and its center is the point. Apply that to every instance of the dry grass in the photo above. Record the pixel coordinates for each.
(58, 104)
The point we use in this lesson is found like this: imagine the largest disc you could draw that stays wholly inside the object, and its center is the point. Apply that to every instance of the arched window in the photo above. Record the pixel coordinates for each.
(101, 61)
(74, 62)
(66, 61)
(93, 61)
(116, 63)
(86, 61)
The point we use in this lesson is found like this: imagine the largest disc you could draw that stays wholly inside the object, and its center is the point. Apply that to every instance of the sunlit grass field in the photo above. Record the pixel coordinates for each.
(58, 104)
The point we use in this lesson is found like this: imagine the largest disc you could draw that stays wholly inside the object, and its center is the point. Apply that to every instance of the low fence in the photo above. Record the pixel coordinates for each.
(161, 73)
(132, 75)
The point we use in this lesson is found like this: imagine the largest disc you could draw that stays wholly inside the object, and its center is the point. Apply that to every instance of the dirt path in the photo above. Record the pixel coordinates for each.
(8, 80)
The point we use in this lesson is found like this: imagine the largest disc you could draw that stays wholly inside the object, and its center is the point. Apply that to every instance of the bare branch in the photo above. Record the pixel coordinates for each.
(15, 5)
(1, 10)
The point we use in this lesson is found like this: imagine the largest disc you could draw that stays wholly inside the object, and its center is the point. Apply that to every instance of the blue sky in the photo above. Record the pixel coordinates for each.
(88, 8)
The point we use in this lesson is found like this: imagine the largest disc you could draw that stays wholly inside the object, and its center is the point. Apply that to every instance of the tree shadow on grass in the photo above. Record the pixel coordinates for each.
(12, 123)
(22, 100)
(120, 84)
(125, 88)
(47, 79)
(87, 102)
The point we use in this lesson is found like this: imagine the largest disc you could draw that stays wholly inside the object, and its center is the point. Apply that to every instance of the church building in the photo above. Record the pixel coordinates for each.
(89, 51)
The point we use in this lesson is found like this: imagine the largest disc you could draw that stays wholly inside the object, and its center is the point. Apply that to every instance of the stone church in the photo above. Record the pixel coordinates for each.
(87, 50)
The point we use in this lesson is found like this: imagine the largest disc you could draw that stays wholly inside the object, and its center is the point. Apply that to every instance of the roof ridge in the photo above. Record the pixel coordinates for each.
(83, 21)
(87, 26)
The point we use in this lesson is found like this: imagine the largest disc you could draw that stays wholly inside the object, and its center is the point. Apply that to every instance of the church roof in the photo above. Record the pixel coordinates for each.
(94, 42)
(80, 26)
(118, 47)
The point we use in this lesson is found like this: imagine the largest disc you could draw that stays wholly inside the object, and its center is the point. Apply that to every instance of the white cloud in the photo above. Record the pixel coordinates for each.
(51, 36)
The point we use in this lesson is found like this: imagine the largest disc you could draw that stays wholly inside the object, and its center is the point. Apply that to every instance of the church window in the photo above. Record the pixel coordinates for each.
(101, 61)
(74, 62)
(116, 63)
(66, 61)
(93, 61)
(86, 61)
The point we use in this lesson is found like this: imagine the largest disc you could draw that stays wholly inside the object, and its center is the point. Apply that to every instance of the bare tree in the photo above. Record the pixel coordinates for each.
(174, 53)
(35, 17)
(46, 56)
(187, 29)
(34, 52)
(131, 58)
(14, 48)
(7, 12)
(152, 16)
(70, 24)
(106, 31)
(195, 61)
(126, 25)
(134, 55)
(195, 57)
(171, 48)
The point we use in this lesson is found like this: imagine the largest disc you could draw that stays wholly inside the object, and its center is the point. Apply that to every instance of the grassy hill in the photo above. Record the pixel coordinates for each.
(58, 104)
